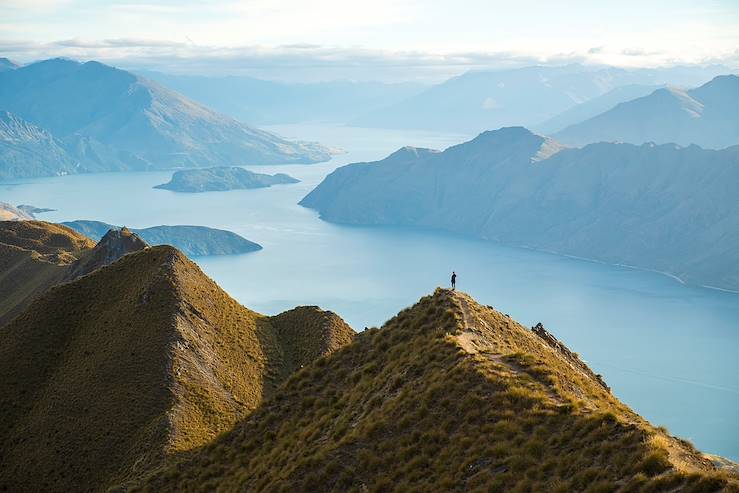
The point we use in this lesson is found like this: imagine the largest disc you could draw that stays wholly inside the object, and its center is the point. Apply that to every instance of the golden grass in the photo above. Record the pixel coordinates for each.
(107, 376)
(34, 256)
(447, 396)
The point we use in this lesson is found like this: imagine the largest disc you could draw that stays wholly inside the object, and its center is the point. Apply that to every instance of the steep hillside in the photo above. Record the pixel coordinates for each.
(146, 359)
(110, 119)
(706, 116)
(448, 396)
(193, 241)
(618, 203)
(33, 257)
(27, 150)
(222, 178)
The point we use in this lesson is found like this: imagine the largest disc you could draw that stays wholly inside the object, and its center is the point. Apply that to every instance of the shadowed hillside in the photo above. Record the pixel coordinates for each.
(107, 376)
(448, 396)
(34, 256)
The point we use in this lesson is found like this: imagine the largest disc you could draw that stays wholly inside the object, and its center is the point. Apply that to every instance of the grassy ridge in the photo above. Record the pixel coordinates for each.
(447, 396)
(34, 256)
(106, 377)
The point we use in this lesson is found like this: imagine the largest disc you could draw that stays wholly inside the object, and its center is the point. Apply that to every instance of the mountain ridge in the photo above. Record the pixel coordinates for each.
(109, 119)
(574, 201)
(141, 360)
(448, 395)
(705, 116)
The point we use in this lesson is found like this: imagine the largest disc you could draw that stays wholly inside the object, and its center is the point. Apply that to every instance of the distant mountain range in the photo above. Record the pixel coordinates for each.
(142, 374)
(264, 102)
(593, 107)
(662, 207)
(707, 116)
(529, 96)
(61, 116)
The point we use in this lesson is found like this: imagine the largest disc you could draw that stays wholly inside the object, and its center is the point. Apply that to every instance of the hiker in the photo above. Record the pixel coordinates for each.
(454, 280)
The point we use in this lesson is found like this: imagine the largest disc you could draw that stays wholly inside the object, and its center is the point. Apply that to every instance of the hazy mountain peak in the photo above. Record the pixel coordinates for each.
(706, 116)
(410, 152)
(111, 119)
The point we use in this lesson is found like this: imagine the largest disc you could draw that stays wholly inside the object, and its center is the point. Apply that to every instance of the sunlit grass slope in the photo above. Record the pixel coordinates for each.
(106, 377)
(448, 396)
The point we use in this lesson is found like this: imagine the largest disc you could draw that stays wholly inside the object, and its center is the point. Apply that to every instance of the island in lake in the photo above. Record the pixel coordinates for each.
(194, 241)
(222, 178)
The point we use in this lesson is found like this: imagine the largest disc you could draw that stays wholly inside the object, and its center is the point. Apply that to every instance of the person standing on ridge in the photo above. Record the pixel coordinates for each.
(454, 280)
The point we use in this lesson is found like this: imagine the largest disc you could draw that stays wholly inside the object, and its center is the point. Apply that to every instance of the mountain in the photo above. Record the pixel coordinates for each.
(113, 245)
(593, 107)
(706, 116)
(193, 241)
(222, 178)
(29, 151)
(449, 395)
(658, 207)
(34, 256)
(269, 102)
(108, 117)
(144, 360)
(481, 100)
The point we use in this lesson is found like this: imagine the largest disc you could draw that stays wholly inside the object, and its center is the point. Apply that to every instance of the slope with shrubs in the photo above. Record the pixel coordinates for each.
(106, 377)
(447, 396)
(34, 256)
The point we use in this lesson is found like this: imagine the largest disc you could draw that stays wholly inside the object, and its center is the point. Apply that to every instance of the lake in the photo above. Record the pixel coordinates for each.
(667, 350)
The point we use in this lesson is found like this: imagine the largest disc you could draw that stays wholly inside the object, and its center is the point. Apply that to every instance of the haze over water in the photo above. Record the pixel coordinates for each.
(665, 348)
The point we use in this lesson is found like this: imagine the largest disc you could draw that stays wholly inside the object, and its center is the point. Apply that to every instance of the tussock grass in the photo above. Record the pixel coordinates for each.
(34, 255)
(447, 396)
(106, 377)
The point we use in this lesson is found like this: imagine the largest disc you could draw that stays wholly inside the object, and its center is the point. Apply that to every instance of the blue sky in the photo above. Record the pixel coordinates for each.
(431, 37)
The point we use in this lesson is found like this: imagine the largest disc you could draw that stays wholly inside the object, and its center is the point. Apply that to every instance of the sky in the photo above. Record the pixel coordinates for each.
(377, 39)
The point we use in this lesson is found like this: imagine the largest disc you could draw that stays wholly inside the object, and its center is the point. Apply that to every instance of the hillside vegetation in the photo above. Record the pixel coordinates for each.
(106, 377)
(34, 256)
(448, 396)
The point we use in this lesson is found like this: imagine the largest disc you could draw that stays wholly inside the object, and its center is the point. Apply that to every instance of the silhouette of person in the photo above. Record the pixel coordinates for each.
(454, 280)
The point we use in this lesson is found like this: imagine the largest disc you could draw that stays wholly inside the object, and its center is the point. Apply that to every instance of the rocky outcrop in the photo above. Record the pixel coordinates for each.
(573, 358)
(115, 244)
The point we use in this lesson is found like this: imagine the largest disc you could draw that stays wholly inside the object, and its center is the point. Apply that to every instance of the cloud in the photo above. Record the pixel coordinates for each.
(295, 61)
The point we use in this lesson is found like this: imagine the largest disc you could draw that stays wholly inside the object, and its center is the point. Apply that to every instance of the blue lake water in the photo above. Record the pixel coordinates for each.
(667, 350)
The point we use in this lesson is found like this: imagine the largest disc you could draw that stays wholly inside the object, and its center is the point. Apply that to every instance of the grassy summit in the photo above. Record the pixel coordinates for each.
(106, 377)
(448, 396)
